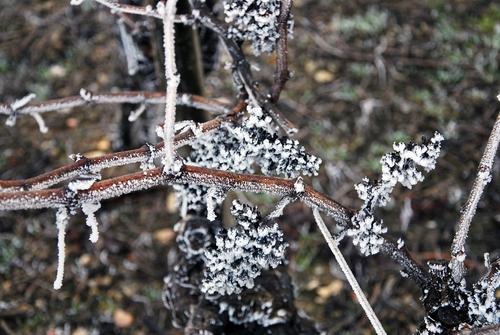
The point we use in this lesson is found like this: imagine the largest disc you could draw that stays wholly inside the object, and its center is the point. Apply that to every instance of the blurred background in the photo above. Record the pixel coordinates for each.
(365, 74)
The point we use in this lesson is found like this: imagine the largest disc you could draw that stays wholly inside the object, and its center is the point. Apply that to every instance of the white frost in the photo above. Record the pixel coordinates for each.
(62, 219)
(89, 209)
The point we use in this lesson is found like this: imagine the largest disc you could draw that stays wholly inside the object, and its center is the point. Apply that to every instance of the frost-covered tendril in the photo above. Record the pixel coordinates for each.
(242, 253)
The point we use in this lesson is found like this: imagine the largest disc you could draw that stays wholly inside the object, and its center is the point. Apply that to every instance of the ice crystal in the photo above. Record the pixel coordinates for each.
(261, 313)
(432, 327)
(149, 163)
(299, 185)
(366, 232)
(242, 253)
(400, 166)
(214, 198)
(89, 209)
(483, 306)
(61, 222)
(254, 143)
(255, 21)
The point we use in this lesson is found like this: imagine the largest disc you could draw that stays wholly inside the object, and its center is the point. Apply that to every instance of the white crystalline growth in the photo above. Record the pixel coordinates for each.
(254, 143)
(432, 327)
(255, 21)
(366, 233)
(483, 307)
(89, 209)
(401, 165)
(261, 313)
(214, 198)
(62, 219)
(242, 253)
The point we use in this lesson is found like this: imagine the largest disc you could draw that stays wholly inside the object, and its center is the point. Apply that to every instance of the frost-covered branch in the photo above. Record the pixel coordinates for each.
(240, 63)
(469, 210)
(118, 186)
(172, 79)
(333, 244)
(142, 155)
(133, 9)
(87, 97)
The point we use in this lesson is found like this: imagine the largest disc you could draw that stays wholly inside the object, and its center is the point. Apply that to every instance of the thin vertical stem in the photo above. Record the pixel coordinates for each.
(333, 244)
(469, 210)
(173, 79)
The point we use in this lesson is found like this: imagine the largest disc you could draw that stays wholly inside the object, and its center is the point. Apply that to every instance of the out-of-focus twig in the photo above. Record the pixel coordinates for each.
(483, 177)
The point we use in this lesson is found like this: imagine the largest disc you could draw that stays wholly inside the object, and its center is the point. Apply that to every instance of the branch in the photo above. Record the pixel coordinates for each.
(132, 97)
(140, 10)
(173, 79)
(97, 164)
(281, 74)
(241, 65)
(118, 186)
(334, 247)
(482, 179)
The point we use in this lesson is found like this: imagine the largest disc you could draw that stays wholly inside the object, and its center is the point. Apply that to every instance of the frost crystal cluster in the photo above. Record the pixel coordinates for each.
(242, 253)
(254, 142)
(483, 305)
(432, 327)
(261, 313)
(400, 166)
(255, 21)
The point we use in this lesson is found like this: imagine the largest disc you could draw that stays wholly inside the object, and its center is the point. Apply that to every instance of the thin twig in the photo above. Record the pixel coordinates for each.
(141, 10)
(172, 79)
(333, 244)
(131, 97)
(469, 210)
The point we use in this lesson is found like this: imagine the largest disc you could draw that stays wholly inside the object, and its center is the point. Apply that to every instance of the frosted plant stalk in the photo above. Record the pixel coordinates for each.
(132, 54)
(61, 222)
(482, 179)
(333, 244)
(172, 78)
